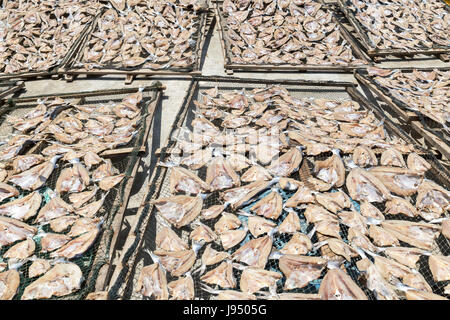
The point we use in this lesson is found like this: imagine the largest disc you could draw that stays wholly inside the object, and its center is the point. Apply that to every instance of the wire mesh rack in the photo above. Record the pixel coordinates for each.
(51, 70)
(71, 68)
(435, 133)
(135, 254)
(373, 51)
(226, 43)
(115, 200)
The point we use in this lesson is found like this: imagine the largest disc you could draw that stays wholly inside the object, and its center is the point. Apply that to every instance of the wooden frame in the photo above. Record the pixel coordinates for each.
(373, 52)
(124, 273)
(399, 109)
(13, 87)
(69, 71)
(230, 66)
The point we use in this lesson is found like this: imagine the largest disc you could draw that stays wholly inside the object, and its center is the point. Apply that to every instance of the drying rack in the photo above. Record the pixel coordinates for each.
(148, 221)
(97, 259)
(433, 132)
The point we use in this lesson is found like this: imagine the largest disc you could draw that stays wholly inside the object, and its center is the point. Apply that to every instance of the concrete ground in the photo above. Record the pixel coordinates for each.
(174, 94)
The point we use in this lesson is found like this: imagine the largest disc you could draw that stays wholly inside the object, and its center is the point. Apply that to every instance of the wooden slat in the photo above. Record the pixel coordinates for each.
(117, 222)
(156, 179)
(18, 86)
(405, 115)
(431, 138)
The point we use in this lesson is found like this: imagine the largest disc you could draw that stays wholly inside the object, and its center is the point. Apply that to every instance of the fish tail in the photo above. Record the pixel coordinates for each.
(318, 245)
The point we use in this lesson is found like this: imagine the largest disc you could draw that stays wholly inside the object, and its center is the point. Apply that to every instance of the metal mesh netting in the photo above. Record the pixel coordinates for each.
(98, 254)
(125, 286)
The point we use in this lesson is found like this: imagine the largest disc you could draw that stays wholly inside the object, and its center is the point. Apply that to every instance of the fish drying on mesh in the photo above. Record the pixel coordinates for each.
(286, 33)
(361, 181)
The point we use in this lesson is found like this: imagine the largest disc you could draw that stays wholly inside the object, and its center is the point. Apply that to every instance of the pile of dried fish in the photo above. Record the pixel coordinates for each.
(403, 24)
(149, 35)
(244, 221)
(285, 32)
(423, 91)
(122, 5)
(49, 218)
(37, 35)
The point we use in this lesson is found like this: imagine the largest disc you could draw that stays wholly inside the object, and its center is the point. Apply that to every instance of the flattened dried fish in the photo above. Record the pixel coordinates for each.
(179, 210)
(220, 175)
(440, 267)
(38, 267)
(9, 283)
(253, 279)
(55, 208)
(270, 206)
(182, 289)
(418, 234)
(77, 246)
(300, 270)
(254, 253)
(299, 244)
(168, 240)
(183, 180)
(61, 280)
(80, 198)
(331, 170)
(53, 241)
(22, 208)
(221, 276)
(337, 285)
(286, 164)
(35, 177)
(21, 250)
(7, 191)
(153, 282)
(108, 183)
(362, 185)
(12, 230)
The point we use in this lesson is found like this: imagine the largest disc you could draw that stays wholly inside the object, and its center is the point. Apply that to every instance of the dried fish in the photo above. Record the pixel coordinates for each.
(153, 282)
(337, 285)
(22, 208)
(300, 270)
(9, 283)
(61, 280)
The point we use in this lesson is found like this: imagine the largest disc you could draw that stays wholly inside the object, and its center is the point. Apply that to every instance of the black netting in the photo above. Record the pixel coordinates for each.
(99, 253)
(149, 222)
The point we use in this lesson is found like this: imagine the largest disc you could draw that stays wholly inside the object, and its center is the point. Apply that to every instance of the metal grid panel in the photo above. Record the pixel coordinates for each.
(127, 290)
